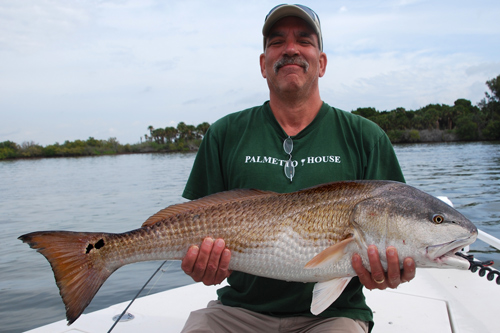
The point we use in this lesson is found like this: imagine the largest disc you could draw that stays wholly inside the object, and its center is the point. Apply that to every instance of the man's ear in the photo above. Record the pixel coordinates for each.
(322, 64)
(263, 65)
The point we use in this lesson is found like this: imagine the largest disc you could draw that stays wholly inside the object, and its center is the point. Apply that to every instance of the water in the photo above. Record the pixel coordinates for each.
(117, 193)
(108, 193)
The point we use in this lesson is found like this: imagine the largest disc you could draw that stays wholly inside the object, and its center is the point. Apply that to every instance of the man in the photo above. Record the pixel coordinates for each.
(292, 142)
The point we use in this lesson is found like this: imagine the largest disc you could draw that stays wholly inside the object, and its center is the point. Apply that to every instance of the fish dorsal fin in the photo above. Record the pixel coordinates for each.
(330, 255)
(325, 293)
(209, 200)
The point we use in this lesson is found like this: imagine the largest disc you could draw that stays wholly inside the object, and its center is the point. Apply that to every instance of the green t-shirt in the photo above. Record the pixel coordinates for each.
(245, 150)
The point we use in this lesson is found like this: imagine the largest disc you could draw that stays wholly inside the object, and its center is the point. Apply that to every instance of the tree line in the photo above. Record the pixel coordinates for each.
(181, 133)
(170, 139)
(462, 120)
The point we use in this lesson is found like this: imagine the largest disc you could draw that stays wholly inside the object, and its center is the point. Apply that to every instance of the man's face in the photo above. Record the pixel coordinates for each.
(292, 61)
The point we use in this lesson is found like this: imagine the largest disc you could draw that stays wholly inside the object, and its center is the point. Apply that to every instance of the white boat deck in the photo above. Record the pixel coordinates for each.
(437, 300)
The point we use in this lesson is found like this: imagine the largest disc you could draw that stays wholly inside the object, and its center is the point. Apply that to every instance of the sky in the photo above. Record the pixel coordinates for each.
(96, 68)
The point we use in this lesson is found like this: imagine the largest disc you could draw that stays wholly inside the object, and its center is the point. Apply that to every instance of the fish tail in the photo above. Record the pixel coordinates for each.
(79, 264)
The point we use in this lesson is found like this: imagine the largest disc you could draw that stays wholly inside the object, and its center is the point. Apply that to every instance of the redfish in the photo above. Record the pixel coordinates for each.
(305, 236)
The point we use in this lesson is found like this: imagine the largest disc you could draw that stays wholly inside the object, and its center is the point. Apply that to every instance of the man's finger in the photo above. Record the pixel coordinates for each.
(189, 260)
(200, 265)
(409, 270)
(365, 278)
(223, 271)
(377, 271)
(213, 262)
(393, 270)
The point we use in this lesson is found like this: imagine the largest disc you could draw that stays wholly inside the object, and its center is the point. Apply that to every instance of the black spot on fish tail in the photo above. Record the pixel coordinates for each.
(99, 244)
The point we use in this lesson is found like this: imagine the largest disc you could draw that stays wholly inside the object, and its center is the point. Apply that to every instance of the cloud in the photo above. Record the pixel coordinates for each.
(484, 69)
(391, 80)
(71, 69)
(29, 26)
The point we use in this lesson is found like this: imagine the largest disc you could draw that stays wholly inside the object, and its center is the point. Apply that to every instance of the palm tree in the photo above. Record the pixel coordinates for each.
(151, 129)
(182, 129)
(190, 129)
(159, 135)
(202, 129)
(170, 133)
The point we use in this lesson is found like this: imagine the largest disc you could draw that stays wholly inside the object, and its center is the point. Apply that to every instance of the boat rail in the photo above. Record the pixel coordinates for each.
(487, 238)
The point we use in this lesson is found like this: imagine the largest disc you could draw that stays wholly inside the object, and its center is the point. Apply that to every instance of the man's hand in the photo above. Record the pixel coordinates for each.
(209, 263)
(378, 279)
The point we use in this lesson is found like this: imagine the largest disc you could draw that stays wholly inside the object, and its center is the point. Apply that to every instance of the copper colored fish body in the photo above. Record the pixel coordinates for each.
(305, 236)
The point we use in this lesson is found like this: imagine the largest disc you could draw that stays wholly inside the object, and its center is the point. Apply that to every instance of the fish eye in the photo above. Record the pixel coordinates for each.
(438, 219)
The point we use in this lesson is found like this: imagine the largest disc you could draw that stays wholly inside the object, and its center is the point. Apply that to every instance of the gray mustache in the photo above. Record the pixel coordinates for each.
(290, 61)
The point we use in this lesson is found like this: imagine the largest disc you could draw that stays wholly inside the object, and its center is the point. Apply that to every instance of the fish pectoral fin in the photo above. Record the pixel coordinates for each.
(330, 255)
(325, 293)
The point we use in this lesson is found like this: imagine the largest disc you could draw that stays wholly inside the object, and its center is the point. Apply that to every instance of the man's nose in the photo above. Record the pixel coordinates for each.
(291, 48)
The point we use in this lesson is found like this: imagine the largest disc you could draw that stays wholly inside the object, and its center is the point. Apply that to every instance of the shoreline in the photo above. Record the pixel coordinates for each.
(425, 136)
(395, 136)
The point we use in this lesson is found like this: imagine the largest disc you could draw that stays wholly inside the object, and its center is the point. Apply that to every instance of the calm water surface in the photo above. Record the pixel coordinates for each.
(117, 193)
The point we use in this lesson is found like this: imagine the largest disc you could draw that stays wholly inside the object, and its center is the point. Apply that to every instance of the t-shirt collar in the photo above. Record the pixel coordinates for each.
(276, 125)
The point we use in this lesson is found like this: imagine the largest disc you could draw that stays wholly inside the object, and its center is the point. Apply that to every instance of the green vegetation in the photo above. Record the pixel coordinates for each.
(434, 122)
(170, 139)
(462, 121)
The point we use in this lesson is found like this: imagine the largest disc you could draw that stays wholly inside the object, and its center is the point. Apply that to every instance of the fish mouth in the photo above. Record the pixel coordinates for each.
(444, 254)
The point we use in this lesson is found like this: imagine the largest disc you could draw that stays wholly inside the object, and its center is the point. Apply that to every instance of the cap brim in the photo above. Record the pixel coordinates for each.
(289, 10)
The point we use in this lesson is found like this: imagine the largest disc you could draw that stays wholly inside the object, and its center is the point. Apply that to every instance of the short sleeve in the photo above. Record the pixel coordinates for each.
(206, 175)
(382, 162)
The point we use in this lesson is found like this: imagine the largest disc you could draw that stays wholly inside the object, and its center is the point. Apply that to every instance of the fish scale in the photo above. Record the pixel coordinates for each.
(304, 236)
